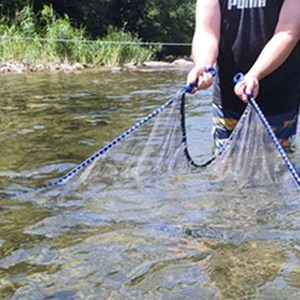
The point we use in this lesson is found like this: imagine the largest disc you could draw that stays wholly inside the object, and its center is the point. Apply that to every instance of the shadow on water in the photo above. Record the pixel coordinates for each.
(181, 237)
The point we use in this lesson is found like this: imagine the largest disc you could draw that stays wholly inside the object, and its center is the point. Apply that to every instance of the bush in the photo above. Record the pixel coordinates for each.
(44, 37)
(119, 47)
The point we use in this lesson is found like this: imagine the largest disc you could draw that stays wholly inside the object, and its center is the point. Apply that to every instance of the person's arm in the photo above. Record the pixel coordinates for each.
(276, 51)
(205, 42)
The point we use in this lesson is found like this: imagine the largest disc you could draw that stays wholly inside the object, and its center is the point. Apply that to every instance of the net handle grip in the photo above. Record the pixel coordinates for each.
(238, 78)
(189, 87)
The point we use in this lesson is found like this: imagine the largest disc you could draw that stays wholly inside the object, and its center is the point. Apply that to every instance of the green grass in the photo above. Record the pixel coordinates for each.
(44, 38)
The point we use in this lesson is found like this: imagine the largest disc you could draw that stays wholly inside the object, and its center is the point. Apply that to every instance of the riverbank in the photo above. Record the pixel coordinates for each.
(18, 67)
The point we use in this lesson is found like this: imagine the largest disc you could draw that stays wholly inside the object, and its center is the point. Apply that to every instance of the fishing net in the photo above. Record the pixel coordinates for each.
(155, 150)
(252, 157)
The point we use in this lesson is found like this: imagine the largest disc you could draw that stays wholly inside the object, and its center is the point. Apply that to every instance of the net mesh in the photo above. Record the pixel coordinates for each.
(156, 150)
(251, 157)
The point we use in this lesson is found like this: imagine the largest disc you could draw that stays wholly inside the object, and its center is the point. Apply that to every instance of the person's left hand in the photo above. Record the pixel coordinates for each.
(248, 86)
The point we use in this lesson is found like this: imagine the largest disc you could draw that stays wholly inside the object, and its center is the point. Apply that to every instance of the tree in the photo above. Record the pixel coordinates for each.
(150, 20)
(157, 20)
(9, 8)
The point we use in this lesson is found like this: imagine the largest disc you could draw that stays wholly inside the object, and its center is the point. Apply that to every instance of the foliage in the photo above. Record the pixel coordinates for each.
(171, 21)
(45, 37)
(64, 41)
(158, 20)
(123, 45)
(150, 20)
(8, 8)
(19, 48)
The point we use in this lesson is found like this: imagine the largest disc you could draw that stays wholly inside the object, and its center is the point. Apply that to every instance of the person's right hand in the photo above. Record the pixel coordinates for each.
(205, 79)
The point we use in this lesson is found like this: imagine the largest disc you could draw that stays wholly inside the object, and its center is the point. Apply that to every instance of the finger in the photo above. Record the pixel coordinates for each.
(193, 91)
(249, 87)
(252, 88)
(239, 89)
(206, 81)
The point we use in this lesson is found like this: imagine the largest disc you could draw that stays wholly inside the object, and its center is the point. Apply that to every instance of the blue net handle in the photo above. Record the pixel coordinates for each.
(189, 87)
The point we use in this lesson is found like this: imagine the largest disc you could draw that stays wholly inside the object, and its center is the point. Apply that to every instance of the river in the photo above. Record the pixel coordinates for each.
(183, 239)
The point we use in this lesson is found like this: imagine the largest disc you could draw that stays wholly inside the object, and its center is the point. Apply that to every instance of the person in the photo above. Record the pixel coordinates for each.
(259, 38)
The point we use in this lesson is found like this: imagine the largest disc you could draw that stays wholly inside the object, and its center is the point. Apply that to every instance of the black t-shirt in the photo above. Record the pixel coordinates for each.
(246, 26)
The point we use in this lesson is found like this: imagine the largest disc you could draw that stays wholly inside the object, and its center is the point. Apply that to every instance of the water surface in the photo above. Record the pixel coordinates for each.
(189, 238)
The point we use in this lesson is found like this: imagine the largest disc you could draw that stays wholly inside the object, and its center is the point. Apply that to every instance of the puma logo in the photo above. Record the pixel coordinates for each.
(241, 4)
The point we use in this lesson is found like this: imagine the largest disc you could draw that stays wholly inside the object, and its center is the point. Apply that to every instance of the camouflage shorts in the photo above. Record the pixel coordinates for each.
(284, 126)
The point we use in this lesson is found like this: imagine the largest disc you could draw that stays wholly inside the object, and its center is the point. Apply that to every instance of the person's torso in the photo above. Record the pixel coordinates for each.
(246, 27)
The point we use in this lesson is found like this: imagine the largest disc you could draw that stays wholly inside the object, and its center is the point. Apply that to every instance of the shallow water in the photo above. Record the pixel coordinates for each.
(184, 238)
